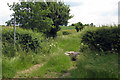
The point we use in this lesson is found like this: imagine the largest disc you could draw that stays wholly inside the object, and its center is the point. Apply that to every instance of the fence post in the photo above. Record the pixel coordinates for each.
(14, 30)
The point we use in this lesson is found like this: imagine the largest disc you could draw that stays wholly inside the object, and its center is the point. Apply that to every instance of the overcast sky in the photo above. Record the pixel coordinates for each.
(98, 12)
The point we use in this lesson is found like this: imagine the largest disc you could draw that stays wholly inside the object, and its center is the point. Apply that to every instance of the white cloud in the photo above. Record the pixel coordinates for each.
(96, 11)
(5, 10)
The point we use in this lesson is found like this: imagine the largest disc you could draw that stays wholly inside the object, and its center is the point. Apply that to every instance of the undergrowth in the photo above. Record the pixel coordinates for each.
(90, 64)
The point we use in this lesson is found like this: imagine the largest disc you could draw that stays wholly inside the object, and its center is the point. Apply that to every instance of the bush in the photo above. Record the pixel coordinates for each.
(66, 33)
(102, 38)
(26, 39)
(83, 47)
(8, 49)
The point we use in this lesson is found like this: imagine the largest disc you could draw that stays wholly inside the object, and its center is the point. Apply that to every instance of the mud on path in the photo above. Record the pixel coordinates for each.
(27, 71)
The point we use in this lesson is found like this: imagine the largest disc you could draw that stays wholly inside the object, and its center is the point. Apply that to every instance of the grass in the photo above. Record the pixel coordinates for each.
(10, 66)
(89, 64)
(68, 43)
(57, 64)
(69, 29)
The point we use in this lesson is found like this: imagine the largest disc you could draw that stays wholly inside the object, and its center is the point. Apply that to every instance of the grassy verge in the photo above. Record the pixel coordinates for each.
(91, 65)
(10, 66)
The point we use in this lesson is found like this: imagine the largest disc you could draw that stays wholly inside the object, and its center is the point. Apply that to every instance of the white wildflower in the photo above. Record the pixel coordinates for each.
(96, 54)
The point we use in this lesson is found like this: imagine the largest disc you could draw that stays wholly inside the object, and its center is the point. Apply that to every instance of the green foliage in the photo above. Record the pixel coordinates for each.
(22, 61)
(8, 70)
(66, 42)
(8, 49)
(45, 17)
(61, 62)
(78, 26)
(56, 63)
(26, 39)
(91, 65)
(67, 28)
(31, 15)
(83, 47)
(65, 33)
(56, 49)
(102, 39)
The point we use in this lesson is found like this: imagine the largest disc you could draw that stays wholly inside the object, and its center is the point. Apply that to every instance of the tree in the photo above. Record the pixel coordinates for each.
(9, 22)
(91, 25)
(72, 25)
(60, 14)
(86, 24)
(45, 16)
(31, 15)
(77, 29)
(78, 26)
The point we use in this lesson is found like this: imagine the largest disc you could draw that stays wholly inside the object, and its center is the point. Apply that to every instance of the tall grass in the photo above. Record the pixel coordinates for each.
(20, 62)
(69, 43)
(91, 65)
(56, 64)
(15, 58)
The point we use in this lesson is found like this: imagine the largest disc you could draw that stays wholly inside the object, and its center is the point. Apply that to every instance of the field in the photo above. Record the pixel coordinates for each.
(51, 62)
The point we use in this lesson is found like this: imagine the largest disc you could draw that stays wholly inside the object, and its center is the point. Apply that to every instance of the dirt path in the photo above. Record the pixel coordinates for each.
(27, 71)
(67, 73)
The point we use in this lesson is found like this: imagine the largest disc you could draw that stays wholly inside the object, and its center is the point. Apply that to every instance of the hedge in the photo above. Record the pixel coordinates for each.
(102, 38)
(26, 39)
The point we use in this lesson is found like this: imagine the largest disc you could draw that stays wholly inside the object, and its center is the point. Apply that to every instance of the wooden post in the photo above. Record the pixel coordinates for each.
(14, 30)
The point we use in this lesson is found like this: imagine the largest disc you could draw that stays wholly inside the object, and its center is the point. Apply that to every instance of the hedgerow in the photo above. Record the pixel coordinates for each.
(102, 38)
(26, 39)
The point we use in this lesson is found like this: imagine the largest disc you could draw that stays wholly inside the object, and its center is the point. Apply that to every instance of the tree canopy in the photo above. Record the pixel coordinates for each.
(44, 16)
(78, 26)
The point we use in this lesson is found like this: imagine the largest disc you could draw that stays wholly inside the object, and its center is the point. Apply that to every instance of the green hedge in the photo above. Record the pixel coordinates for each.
(26, 39)
(102, 38)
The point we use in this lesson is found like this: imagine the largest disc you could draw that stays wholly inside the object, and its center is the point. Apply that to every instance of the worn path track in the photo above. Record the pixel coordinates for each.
(68, 73)
(27, 71)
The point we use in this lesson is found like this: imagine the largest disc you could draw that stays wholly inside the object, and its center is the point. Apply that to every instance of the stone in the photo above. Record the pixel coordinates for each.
(73, 55)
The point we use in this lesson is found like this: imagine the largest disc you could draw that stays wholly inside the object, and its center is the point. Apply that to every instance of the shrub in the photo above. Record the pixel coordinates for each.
(8, 49)
(83, 47)
(27, 39)
(102, 38)
(66, 33)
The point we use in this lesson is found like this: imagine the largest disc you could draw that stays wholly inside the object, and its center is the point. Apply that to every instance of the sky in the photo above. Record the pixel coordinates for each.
(99, 12)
